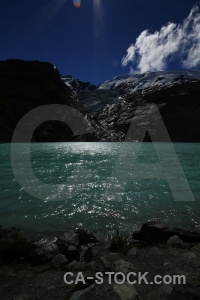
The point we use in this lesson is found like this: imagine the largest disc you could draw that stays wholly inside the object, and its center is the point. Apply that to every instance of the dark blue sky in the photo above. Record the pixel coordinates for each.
(88, 42)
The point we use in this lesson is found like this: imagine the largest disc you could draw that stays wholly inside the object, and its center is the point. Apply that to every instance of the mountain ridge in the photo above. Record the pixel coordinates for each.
(109, 109)
(175, 93)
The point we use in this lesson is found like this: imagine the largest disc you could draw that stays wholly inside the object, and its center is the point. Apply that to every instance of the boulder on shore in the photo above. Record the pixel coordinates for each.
(86, 236)
(155, 231)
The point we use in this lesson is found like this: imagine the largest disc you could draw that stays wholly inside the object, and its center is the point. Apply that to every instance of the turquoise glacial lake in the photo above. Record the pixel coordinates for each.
(97, 186)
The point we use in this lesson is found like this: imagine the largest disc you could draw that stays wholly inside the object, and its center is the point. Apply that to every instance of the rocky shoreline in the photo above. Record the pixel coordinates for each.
(36, 270)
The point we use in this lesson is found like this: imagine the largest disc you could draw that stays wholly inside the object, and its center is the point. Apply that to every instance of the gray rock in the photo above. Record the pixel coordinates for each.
(78, 266)
(59, 260)
(132, 252)
(190, 256)
(81, 295)
(71, 248)
(85, 253)
(165, 291)
(106, 263)
(125, 291)
(69, 237)
(108, 260)
(72, 264)
(197, 248)
(123, 266)
(100, 247)
(47, 249)
(175, 241)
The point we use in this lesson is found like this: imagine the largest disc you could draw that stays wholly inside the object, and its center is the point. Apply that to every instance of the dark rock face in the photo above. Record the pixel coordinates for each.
(25, 85)
(178, 104)
(47, 249)
(92, 102)
(154, 231)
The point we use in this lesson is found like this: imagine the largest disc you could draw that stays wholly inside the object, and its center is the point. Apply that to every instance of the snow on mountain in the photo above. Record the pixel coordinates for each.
(91, 100)
(140, 82)
(94, 101)
(176, 95)
(76, 84)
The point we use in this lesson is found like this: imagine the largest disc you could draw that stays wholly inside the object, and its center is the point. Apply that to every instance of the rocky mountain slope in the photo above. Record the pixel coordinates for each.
(109, 109)
(25, 85)
(176, 94)
(77, 85)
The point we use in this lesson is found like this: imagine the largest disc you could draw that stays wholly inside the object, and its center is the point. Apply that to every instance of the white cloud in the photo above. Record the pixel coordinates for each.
(152, 52)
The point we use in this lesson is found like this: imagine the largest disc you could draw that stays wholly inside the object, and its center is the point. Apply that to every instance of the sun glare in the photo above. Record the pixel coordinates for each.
(99, 34)
(77, 3)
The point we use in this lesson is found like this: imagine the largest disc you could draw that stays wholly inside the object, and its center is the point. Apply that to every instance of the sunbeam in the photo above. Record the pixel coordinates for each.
(98, 18)
(99, 36)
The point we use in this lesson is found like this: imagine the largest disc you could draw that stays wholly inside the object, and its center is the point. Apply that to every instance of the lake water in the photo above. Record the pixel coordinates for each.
(109, 199)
